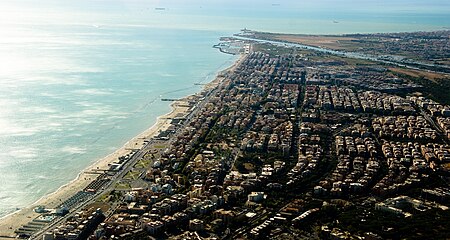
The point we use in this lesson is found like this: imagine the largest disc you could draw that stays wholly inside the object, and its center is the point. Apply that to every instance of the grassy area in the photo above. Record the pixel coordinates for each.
(103, 206)
(123, 186)
(160, 146)
(327, 41)
(350, 61)
(331, 42)
(367, 43)
(437, 89)
(218, 134)
(109, 196)
(143, 163)
(276, 50)
(355, 61)
(418, 74)
(132, 175)
(104, 197)
(248, 163)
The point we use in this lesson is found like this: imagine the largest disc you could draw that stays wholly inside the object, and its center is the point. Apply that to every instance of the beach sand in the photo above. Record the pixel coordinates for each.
(179, 108)
(15, 220)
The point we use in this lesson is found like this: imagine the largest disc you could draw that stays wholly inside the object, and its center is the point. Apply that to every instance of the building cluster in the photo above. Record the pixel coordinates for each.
(397, 205)
(440, 112)
(78, 226)
(444, 123)
(206, 171)
(310, 153)
(345, 99)
(255, 109)
(337, 234)
(238, 120)
(424, 46)
(373, 78)
(404, 127)
(439, 194)
(260, 151)
(382, 103)
(358, 164)
(338, 98)
(407, 167)
(434, 108)
(269, 134)
(142, 215)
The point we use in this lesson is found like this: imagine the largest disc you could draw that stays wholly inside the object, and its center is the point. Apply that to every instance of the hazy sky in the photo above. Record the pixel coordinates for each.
(374, 5)
(230, 14)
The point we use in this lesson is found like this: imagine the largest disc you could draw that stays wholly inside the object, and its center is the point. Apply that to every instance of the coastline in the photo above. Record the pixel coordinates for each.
(12, 221)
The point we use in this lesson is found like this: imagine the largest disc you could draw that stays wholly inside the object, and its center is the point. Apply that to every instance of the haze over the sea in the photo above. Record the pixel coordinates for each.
(78, 79)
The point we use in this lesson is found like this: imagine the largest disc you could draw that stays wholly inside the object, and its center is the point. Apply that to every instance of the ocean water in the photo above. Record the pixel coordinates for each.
(79, 79)
(87, 92)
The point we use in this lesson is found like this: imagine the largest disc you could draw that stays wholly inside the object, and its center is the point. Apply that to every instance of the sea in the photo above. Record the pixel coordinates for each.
(78, 79)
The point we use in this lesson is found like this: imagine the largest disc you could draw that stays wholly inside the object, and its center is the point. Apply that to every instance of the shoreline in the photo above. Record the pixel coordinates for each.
(9, 223)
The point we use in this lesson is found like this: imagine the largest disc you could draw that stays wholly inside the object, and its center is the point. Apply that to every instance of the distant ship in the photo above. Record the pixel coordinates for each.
(160, 9)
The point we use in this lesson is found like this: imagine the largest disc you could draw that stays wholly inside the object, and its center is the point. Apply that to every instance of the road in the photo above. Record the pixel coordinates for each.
(251, 224)
(433, 123)
(134, 159)
(108, 187)
(130, 163)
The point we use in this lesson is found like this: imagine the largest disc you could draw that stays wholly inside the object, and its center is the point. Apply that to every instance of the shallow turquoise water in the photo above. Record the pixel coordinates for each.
(93, 90)
(78, 81)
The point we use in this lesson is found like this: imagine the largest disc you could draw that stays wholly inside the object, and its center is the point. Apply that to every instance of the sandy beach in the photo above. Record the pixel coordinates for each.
(9, 223)
(179, 108)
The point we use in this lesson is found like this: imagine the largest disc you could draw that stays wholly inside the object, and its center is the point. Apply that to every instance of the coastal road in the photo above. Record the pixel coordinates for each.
(108, 187)
(133, 160)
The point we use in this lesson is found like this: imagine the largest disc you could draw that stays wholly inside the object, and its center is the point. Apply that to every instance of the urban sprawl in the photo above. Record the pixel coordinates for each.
(291, 144)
